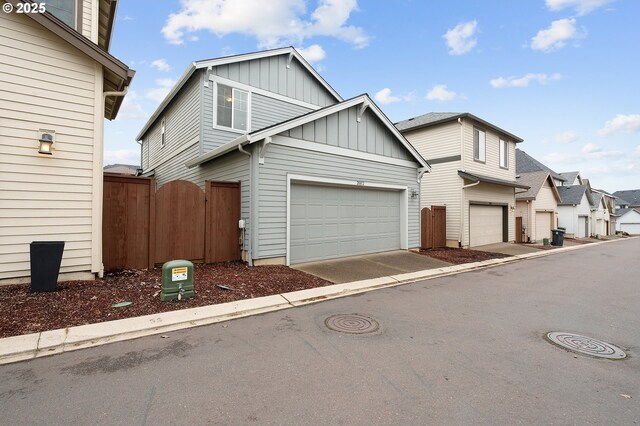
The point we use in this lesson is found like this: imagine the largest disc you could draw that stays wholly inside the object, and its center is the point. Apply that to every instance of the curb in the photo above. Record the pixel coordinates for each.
(47, 343)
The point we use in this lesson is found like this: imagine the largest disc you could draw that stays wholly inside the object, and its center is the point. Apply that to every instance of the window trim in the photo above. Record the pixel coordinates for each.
(163, 132)
(506, 153)
(476, 158)
(215, 109)
(77, 19)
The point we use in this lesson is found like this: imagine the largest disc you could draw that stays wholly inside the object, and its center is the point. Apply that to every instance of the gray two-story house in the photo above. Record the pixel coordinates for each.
(321, 177)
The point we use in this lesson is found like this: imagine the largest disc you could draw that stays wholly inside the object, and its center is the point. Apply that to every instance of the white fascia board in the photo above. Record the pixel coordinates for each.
(265, 54)
(221, 150)
(176, 88)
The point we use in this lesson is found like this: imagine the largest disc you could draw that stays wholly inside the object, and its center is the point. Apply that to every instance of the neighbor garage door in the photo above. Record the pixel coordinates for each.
(485, 225)
(328, 222)
(631, 228)
(543, 225)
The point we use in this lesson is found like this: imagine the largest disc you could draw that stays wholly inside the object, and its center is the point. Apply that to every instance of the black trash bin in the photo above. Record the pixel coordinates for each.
(558, 237)
(46, 257)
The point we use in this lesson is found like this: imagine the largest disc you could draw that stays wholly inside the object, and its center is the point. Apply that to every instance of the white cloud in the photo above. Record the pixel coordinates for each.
(122, 156)
(161, 64)
(460, 39)
(556, 158)
(159, 93)
(582, 7)
(313, 53)
(130, 109)
(524, 81)
(593, 151)
(557, 35)
(384, 96)
(439, 92)
(273, 23)
(621, 124)
(566, 137)
(590, 148)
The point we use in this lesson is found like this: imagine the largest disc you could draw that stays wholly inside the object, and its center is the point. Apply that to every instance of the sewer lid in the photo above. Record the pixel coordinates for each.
(586, 345)
(352, 324)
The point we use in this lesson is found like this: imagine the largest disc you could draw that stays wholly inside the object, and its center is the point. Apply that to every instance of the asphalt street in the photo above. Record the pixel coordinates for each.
(463, 349)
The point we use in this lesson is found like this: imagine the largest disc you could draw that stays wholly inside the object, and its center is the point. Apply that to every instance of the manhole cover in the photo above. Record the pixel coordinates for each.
(586, 345)
(352, 323)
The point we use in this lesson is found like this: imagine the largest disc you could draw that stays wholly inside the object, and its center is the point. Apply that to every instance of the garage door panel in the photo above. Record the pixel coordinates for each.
(543, 225)
(631, 228)
(485, 225)
(341, 221)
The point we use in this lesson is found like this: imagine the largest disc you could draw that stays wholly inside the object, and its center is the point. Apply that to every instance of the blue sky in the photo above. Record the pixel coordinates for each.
(561, 74)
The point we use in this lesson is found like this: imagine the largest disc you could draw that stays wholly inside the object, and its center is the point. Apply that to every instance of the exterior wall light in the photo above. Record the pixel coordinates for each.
(46, 142)
(414, 193)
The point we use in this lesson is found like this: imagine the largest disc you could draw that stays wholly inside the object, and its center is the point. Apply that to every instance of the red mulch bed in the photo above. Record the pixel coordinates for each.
(88, 302)
(458, 256)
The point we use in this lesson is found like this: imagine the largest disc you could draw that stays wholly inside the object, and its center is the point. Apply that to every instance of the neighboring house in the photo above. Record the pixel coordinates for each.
(58, 80)
(571, 178)
(574, 211)
(122, 169)
(621, 204)
(609, 200)
(628, 220)
(321, 177)
(599, 215)
(473, 174)
(526, 164)
(631, 197)
(537, 207)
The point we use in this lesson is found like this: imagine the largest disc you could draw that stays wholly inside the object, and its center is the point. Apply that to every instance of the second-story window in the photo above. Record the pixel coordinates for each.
(64, 10)
(479, 145)
(232, 108)
(163, 128)
(504, 154)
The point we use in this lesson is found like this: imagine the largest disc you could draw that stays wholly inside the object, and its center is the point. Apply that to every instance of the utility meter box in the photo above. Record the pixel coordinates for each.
(177, 280)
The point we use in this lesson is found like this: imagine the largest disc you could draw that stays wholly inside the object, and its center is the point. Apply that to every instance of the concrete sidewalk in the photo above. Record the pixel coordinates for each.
(19, 348)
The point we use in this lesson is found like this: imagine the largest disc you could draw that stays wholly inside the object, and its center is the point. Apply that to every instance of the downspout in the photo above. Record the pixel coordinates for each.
(249, 252)
(462, 210)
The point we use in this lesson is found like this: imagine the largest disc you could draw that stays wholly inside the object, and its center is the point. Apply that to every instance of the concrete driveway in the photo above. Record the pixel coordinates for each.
(506, 248)
(377, 265)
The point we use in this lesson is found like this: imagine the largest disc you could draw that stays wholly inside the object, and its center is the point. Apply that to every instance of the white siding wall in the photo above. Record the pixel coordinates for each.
(544, 202)
(46, 84)
(88, 9)
(491, 166)
(485, 192)
(437, 141)
(568, 216)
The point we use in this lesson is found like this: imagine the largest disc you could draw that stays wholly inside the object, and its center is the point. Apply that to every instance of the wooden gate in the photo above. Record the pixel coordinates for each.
(179, 222)
(142, 227)
(433, 227)
(519, 230)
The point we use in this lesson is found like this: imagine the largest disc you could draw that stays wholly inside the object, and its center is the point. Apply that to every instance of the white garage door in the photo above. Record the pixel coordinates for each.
(328, 222)
(543, 225)
(485, 225)
(581, 232)
(631, 228)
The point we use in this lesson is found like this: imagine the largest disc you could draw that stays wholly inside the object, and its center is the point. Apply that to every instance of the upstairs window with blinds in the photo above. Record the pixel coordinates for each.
(232, 108)
(64, 10)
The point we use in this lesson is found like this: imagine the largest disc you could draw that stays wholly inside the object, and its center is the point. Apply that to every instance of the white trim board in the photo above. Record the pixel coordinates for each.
(404, 203)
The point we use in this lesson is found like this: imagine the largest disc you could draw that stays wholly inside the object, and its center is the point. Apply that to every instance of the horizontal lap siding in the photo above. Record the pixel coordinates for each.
(267, 111)
(44, 84)
(87, 12)
(182, 118)
(343, 130)
(281, 160)
(441, 187)
(491, 167)
(437, 141)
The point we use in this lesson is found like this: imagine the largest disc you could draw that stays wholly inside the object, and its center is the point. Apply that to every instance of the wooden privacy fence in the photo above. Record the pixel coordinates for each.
(433, 227)
(143, 227)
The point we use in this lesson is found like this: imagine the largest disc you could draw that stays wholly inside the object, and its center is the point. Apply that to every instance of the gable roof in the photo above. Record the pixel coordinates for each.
(434, 118)
(596, 198)
(573, 194)
(488, 179)
(622, 212)
(632, 196)
(274, 129)
(527, 164)
(570, 177)
(206, 63)
(117, 76)
(535, 180)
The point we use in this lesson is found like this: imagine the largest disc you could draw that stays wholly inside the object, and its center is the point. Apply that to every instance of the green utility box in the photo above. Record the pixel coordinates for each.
(177, 280)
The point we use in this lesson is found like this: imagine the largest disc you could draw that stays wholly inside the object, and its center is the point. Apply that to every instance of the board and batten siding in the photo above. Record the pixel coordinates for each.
(272, 189)
(491, 166)
(271, 74)
(45, 84)
(489, 193)
(182, 131)
(441, 187)
(439, 141)
(343, 130)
